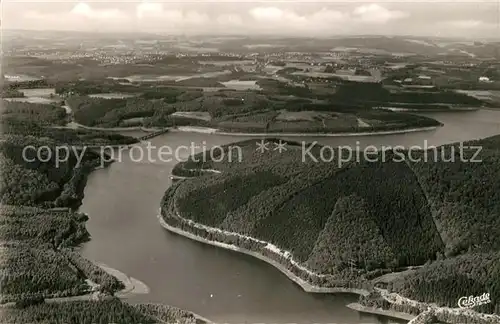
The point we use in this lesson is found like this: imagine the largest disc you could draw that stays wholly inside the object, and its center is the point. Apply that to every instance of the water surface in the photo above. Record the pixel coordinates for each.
(224, 286)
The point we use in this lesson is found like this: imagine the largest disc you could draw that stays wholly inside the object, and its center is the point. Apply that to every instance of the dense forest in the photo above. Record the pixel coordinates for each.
(78, 312)
(83, 87)
(39, 196)
(42, 227)
(44, 121)
(42, 114)
(76, 137)
(107, 283)
(28, 270)
(463, 197)
(335, 229)
(39, 225)
(305, 213)
(32, 84)
(34, 231)
(38, 260)
(437, 214)
(110, 112)
(446, 280)
(28, 181)
(375, 94)
(98, 312)
(241, 112)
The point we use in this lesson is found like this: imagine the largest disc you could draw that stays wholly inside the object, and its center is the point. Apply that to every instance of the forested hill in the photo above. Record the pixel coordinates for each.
(43, 172)
(359, 218)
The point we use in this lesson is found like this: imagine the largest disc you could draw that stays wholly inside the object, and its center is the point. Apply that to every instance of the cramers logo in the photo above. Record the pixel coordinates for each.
(471, 301)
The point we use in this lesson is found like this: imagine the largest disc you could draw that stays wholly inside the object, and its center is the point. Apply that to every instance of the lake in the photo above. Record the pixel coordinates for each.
(226, 287)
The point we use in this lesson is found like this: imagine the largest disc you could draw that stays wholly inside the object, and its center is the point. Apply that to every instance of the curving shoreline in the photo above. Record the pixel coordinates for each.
(291, 276)
(307, 287)
(392, 298)
(133, 286)
(379, 311)
(73, 125)
(214, 131)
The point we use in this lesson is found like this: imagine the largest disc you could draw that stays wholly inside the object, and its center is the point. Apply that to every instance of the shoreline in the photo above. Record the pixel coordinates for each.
(392, 298)
(416, 110)
(133, 286)
(302, 283)
(379, 311)
(214, 131)
(307, 287)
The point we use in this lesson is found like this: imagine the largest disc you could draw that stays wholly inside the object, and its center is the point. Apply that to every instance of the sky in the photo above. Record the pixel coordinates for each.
(458, 18)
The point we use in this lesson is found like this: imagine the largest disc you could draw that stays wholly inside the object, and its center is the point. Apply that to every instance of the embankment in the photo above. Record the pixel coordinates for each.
(306, 286)
(207, 130)
(310, 281)
(379, 311)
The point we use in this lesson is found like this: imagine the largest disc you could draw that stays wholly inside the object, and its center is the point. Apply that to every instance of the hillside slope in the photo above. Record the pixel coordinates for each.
(352, 222)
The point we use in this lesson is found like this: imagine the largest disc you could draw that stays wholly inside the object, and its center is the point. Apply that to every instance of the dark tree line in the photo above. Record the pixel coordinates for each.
(445, 281)
(78, 312)
(363, 219)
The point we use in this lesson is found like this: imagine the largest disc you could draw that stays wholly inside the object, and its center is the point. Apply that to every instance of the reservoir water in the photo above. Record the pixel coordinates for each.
(226, 287)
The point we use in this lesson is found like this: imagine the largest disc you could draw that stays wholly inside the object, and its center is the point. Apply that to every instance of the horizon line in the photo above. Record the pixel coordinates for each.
(277, 35)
